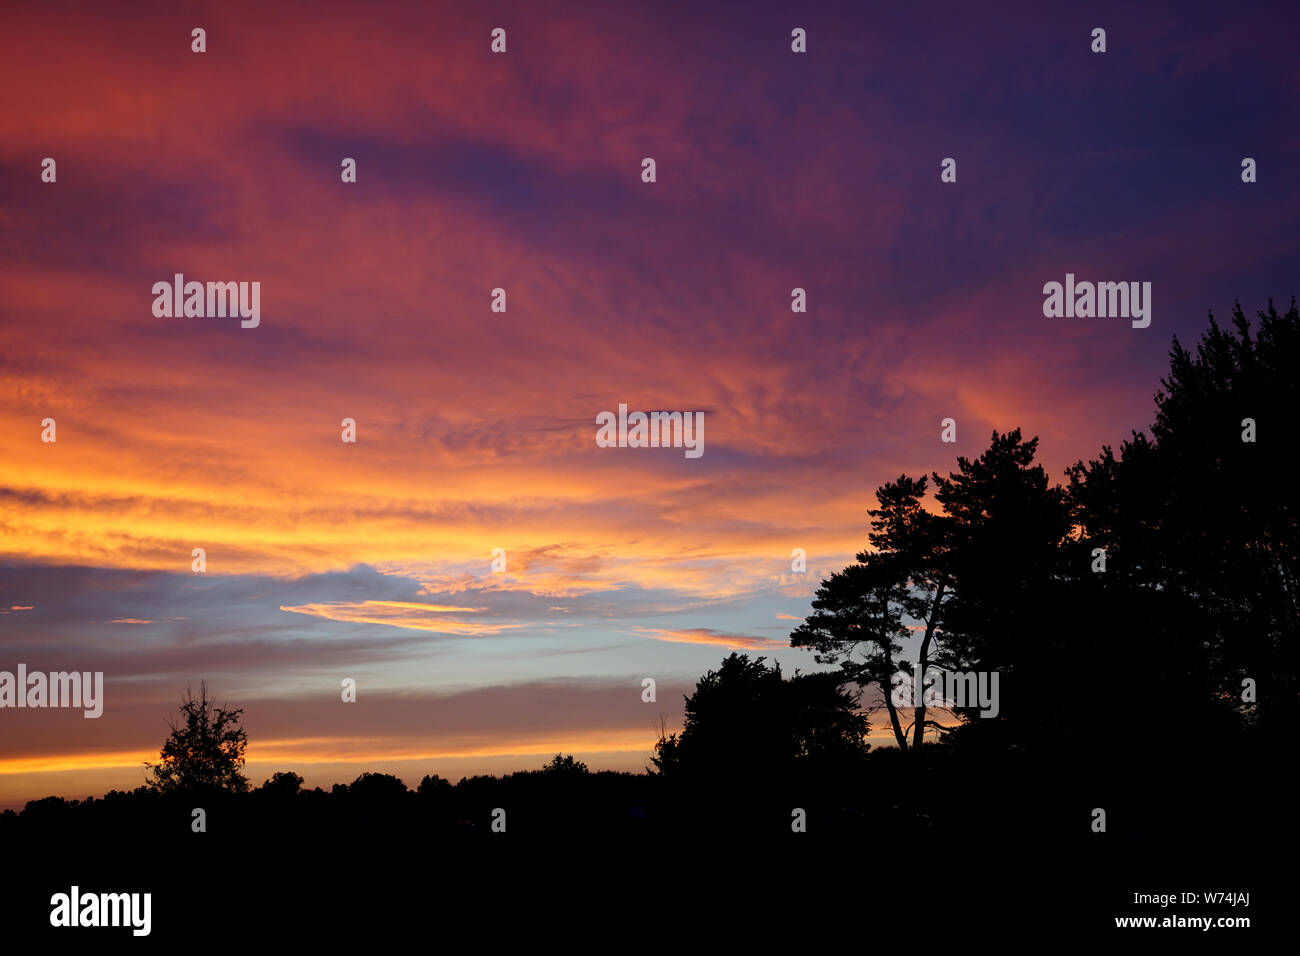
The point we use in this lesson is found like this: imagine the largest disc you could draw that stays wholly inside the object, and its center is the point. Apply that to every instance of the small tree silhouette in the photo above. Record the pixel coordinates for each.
(286, 783)
(432, 785)
(377, 787)
(565, 764)
(206, 751)
(747, 719)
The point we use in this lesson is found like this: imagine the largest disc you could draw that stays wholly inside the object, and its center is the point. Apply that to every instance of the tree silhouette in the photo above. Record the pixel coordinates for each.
(862, 610)
(285, 783)
(1200, 528)
(565, 764)
(745, 719)
(976, 581)
(1169, 568)
(375, 787)
(432, 785)
(1008, 531)
(205, 752)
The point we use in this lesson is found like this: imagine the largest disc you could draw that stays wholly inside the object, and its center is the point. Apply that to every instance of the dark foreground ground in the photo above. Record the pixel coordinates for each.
(966, 858)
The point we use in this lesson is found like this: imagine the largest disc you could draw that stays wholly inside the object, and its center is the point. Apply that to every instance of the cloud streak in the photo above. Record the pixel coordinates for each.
(705, 635)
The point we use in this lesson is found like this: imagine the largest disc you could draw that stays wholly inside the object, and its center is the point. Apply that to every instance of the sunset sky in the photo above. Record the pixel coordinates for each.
(476, 429)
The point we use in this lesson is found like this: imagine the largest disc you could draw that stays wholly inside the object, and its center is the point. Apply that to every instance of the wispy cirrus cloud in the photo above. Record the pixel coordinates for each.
(410, 615)
(705, 635)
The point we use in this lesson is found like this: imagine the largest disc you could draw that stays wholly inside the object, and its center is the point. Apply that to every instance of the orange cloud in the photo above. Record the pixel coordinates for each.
(405, 614)
(705, 635)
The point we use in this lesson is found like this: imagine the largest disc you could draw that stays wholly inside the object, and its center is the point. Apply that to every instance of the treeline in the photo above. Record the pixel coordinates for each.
(1147, 608)
(564, 799)
(564, 789)
(1138, 623)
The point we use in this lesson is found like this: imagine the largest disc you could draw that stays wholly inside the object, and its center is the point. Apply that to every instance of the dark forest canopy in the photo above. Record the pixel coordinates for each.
(1161, 579)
